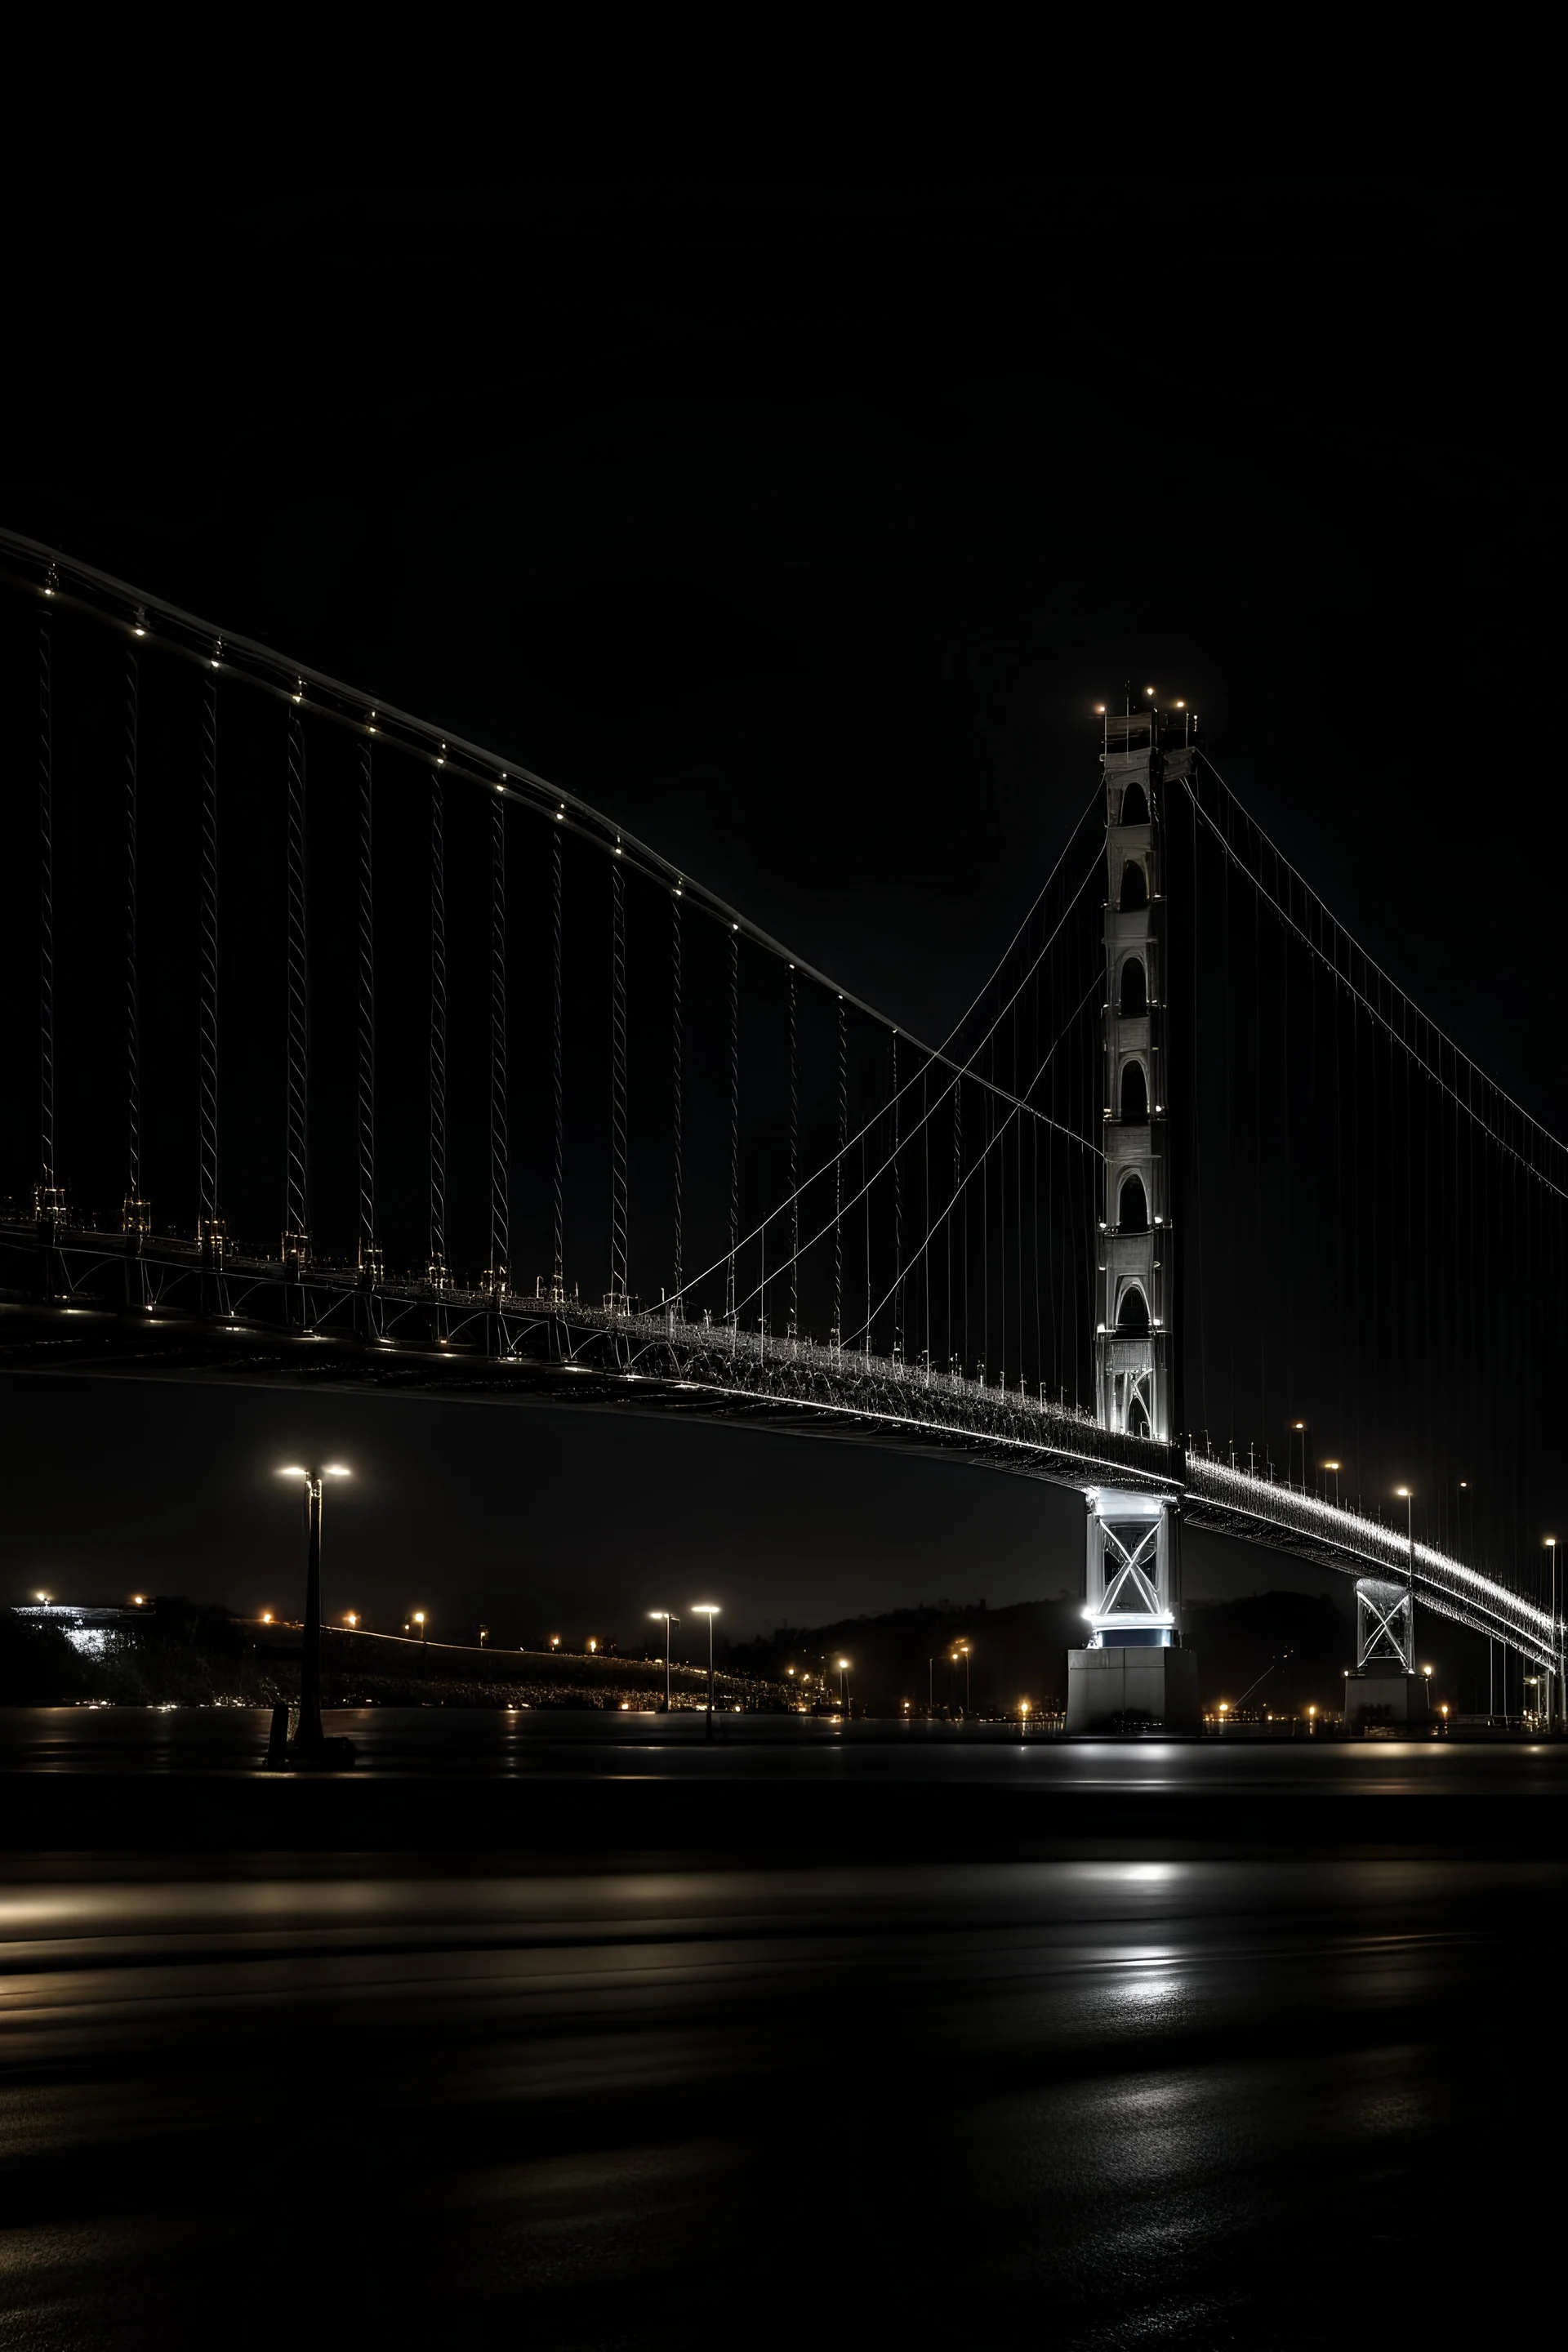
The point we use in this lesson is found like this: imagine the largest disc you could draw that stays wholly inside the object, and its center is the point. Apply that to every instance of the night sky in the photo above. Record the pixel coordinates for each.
(799, 526)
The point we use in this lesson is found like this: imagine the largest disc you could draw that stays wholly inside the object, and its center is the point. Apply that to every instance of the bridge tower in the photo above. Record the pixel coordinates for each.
(1133, 1673)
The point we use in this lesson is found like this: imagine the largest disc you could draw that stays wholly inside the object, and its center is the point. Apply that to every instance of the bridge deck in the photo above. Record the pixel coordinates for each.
(79, 1302)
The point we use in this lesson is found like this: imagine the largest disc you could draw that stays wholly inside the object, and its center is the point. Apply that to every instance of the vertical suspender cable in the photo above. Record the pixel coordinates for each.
(132, 1005)
(45, 921)
(898, 1220)
(437, 1033)
(501, 1185)
(734, 1123)
(558, 1275)
(617, 1085)
(793, 1161)
(838, 1176)
(295, 1239)
(957, 1357)
(366, 1015)
(207, 1013)
(677, 1074)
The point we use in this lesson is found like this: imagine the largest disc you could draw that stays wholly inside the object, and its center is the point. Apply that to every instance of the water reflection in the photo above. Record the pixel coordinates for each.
(1188, 2103)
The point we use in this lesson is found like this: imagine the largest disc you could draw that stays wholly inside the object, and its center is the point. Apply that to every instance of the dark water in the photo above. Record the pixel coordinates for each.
(593, 2102)
(495, 1743)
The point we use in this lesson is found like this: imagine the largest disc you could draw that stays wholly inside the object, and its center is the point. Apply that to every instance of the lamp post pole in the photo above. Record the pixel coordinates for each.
(309, 1735)
(709, 1609)
(668, 1622)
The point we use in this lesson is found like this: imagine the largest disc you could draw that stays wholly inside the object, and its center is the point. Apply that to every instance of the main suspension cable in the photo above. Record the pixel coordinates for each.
(1015, 1103)
(1474, 1074)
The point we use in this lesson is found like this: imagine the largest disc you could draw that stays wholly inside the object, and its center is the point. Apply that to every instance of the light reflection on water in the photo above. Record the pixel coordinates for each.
(1189, 2103)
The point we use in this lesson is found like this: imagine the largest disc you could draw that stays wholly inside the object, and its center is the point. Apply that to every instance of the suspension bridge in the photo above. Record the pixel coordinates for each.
(343, 1050)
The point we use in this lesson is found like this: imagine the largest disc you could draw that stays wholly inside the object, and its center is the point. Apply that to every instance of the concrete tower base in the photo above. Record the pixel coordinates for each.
(1119, 1692)
(1387, 1696)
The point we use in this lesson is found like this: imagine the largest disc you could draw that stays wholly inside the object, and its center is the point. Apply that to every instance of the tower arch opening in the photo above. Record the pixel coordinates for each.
(1132, 1206)
(1133, 1309)
(1135, 1108)
(1134, 805)
(1134, 999)
(1134, 886)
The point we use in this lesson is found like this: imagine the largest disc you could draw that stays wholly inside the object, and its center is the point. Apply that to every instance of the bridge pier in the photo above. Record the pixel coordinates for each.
(1131, 1677)
(1385, 1688)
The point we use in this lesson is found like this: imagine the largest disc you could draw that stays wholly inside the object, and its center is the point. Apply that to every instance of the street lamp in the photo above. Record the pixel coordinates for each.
(1299, 1430)
(309, 1735)
(1334, 1468)
(960, 1650)
(709, 1609)
(1024, 1717)
(419, 1620)
(668, 1622)
(843, 1683)
(43, 1597)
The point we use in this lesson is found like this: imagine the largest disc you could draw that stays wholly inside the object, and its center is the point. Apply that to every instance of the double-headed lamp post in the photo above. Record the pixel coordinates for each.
(709, 1609)
(667, 1620)
(1333, 1469)
(309, 1732)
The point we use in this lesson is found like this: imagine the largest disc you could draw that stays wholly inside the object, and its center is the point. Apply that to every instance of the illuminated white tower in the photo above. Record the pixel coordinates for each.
(1146, 750)
(1131, 1674)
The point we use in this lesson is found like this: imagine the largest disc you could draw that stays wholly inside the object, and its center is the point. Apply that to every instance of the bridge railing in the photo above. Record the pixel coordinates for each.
(1332, 1532)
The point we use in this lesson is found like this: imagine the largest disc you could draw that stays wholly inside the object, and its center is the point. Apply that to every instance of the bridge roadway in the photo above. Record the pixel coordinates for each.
(78, 1302)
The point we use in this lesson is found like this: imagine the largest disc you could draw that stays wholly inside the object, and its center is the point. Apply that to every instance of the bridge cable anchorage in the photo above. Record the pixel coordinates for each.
(435, 1271)
(207, 1234)
(1374, 979)
(369, 1256)
(131, 1214)
(838, 1177)
(794, 1326)
(676, 1107)
(558, 1262)
(501, 1177)
(731, 1307)
(990, 1088)
(296, 1230)
(618, 1301)
(48, 1201)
